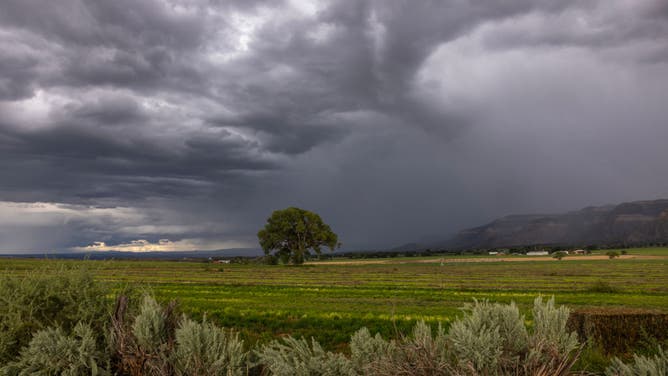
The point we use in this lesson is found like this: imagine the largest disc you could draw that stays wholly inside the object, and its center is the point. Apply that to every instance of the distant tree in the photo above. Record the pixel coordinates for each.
(612, 254)
(559, 255)
(293, 233)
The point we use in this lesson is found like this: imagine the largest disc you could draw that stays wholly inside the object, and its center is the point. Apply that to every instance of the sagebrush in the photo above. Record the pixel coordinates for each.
(156, 342)
(52, 352)
(656, 365)
(491, 339)
(55, 296)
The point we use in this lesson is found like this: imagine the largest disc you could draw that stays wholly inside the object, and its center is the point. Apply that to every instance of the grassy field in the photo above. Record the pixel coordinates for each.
(330, 301)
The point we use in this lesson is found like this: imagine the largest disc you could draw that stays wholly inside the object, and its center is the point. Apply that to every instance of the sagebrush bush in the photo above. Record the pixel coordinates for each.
(550, 326)
(488, 336)
(156, 342)
(52, 352)
(151, 326)
(55, 296)
(490, 339)
(366, 349)
(296, 357)
(476, 345)
(641, 366)
(142, 346)
(553, 349)
(421, 353)
(204, 349)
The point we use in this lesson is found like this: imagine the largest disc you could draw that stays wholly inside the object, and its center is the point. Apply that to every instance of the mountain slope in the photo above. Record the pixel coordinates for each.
(639, 222)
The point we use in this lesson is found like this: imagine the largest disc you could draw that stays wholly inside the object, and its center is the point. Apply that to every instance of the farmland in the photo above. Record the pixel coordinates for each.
(331, 300)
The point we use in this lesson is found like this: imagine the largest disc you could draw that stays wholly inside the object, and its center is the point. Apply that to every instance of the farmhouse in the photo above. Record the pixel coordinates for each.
(537, 253)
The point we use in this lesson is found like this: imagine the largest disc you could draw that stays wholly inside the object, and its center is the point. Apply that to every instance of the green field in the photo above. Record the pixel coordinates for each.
(330, 301)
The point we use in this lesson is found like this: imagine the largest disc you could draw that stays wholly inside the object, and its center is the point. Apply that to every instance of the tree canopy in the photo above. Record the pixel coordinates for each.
(559, 255)
(292, 233)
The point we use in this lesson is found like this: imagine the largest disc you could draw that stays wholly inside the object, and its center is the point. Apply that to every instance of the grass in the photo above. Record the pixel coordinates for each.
(330, 301)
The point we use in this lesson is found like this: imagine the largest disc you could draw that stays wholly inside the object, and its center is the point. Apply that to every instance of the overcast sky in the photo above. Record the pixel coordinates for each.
(176, 125)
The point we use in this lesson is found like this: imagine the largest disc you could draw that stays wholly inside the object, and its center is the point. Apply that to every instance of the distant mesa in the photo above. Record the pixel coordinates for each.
(631, 223)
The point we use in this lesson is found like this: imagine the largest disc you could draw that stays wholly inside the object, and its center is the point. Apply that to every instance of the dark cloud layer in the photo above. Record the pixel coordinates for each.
(193, 120)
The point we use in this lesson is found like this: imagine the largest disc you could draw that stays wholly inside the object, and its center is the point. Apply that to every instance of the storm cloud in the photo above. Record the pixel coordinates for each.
(175, 125)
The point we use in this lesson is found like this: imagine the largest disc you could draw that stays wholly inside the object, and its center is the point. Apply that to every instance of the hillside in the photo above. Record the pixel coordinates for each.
(639, 222)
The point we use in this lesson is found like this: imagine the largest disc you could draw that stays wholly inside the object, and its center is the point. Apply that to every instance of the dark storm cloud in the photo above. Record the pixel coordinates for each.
(591, 26)
(80, 154)
(381, 115)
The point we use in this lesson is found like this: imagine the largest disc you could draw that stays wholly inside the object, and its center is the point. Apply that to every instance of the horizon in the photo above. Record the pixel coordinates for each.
(245, 251)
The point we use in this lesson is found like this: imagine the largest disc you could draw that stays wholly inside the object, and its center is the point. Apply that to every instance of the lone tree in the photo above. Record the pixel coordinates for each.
(293, 233)
(559, 255)
(612, 254)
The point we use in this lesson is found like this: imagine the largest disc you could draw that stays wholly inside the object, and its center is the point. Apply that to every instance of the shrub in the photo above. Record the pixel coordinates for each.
(153, 326)
(419, 354)
(550, 327)
(52, 352)
(53, 296)
(553, 349)
(366, 349)
(476, 340)
(155, 342)
(204, 349)
(143, 346)
(489, 336)
(491, 339)
(641, 366)
(296, 357)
